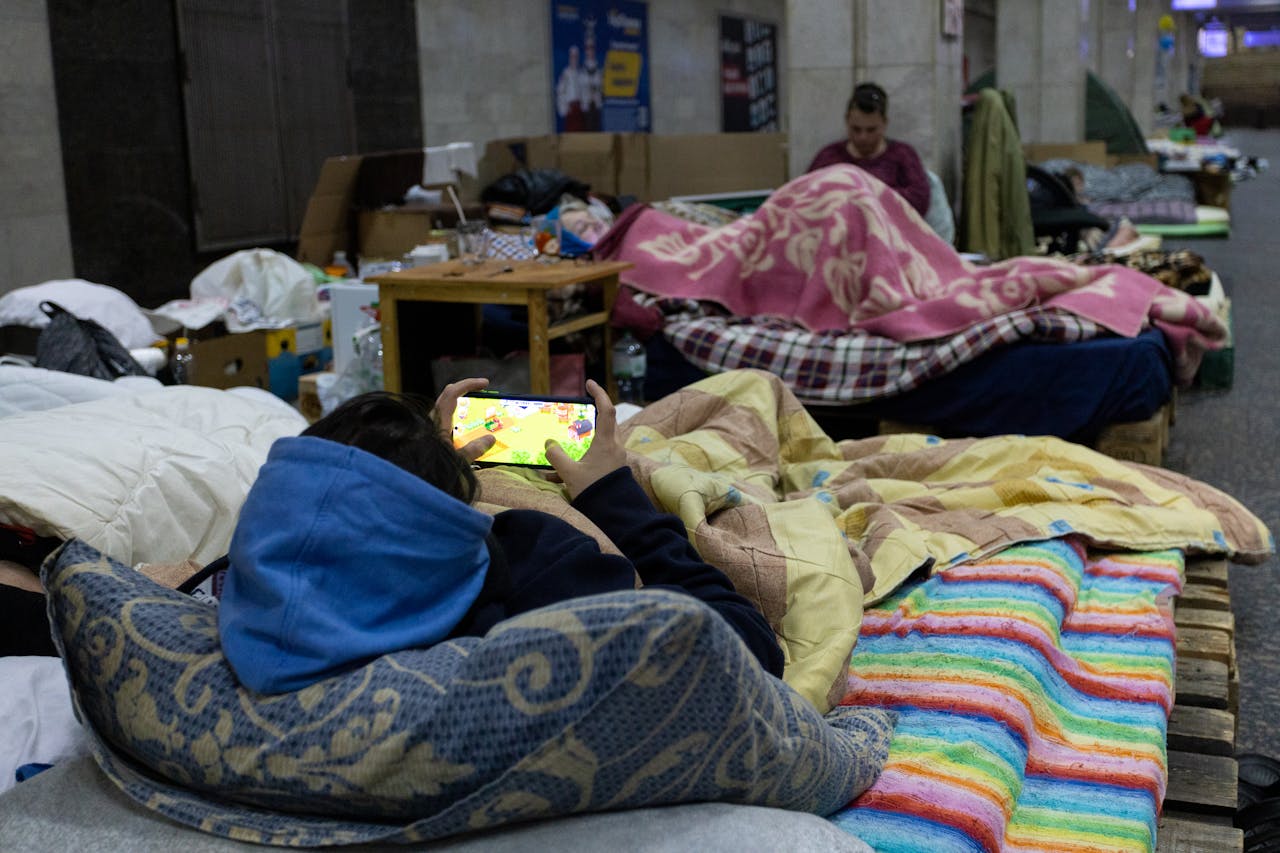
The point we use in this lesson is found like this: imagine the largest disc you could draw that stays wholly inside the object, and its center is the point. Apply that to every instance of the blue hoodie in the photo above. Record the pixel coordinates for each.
(339, 557)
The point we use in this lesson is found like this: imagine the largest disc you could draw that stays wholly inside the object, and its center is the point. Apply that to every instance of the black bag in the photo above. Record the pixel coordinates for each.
(536, 190)
(80, 346)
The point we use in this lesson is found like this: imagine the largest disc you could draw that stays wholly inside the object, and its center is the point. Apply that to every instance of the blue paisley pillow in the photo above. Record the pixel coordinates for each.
(608, 702)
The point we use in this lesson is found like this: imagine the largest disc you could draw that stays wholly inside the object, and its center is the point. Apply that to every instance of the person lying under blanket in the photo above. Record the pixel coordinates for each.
(358, 539)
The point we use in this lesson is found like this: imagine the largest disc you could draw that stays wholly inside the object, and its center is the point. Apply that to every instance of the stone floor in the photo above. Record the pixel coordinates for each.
(1228, 438)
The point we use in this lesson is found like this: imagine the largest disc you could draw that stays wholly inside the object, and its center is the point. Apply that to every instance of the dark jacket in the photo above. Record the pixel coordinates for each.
(340, 557)
(548, 560)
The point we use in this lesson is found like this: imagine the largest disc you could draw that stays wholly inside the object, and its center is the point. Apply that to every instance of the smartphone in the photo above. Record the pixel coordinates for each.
(521, 426)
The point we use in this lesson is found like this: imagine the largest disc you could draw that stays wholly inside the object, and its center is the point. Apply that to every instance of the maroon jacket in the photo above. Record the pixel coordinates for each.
(899, 167)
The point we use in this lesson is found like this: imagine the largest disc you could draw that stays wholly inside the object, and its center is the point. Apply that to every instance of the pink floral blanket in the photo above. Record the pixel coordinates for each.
(837, 249)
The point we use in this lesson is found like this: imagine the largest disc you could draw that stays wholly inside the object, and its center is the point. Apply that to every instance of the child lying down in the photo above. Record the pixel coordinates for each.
(359, 539)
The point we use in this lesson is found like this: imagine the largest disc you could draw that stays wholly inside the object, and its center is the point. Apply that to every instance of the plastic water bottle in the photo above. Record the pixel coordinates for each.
(182, 364)
(629, 368)
(367, 344)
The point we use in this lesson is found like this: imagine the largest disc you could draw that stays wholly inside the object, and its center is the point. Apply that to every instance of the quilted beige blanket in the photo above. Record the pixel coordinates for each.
(813, 529)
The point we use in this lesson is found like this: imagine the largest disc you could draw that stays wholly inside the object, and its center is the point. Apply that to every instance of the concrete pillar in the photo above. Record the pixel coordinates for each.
(1190, 62)
(819, 76)
(1145, 44)
(1041, 56)
(899, 44)
(35, 238)
(834, 44)
(1123, 52)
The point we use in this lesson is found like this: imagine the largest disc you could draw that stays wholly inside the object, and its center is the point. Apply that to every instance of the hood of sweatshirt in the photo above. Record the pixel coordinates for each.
(339, 557)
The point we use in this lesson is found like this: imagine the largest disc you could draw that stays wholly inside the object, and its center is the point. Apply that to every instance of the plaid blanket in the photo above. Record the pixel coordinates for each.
(1176, 211)
(1033, 690)
(842, 367)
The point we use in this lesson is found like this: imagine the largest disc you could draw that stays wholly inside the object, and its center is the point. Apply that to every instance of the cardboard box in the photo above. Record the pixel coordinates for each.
(1218, 367)
(649, 167)
(354, 207)
(1139, 441)
(1212, 188)
(1094, 153)
(702, 164)
(230, 360)
(294, 351)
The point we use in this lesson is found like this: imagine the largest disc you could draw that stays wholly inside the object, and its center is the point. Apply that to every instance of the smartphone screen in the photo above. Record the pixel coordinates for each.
(521, 426)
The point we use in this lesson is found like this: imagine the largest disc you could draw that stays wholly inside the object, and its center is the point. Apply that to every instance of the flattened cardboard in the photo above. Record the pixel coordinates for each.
(1093, 153)
(326, 222)
(699, 164)
(591, 158)
(633, 164)
(391, 234)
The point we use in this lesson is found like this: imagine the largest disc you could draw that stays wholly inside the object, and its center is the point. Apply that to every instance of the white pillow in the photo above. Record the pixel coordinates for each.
(111, 308)
(145, 478)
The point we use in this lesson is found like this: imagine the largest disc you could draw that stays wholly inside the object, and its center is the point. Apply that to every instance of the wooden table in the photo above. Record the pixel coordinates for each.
(497, 282)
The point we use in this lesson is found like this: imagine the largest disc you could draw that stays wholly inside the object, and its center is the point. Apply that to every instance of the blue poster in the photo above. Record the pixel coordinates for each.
(600, 65)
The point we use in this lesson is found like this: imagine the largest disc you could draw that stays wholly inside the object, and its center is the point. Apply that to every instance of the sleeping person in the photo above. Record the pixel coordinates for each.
(359, 539)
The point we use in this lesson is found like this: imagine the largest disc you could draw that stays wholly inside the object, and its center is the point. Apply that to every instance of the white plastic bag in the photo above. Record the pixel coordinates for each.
(262, 288)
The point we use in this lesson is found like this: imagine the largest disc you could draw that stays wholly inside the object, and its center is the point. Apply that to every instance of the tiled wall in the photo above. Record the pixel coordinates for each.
(486, 65)
(35, 244)
(685, 57)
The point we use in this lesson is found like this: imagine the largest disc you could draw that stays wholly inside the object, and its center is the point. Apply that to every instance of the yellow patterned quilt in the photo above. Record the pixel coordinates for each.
(813, 529)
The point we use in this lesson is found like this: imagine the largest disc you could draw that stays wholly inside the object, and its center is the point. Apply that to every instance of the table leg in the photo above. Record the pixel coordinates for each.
(539, 345)
(609, 289)
(391, 380)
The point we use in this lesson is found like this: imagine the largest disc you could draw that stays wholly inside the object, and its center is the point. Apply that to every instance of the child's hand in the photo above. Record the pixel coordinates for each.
(603, 456)
(447, 402)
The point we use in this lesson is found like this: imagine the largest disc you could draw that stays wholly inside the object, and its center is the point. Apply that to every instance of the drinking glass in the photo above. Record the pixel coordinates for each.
(472, 241)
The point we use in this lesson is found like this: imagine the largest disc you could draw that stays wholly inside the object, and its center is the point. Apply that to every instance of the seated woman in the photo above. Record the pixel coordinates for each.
(359, 539)
(896, 163)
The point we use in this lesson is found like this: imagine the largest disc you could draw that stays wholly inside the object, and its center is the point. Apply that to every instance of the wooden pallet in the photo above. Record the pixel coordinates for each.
(1200, 800)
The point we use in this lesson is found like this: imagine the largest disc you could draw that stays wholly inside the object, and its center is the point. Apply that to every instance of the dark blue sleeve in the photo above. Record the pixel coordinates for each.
(659, 548)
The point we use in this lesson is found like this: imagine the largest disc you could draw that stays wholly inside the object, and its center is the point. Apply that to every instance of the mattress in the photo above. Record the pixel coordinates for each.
(1070, 390)
(1210, 222)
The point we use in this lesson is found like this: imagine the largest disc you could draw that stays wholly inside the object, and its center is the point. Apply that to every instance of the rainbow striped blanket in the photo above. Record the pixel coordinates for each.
(1034, 689)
